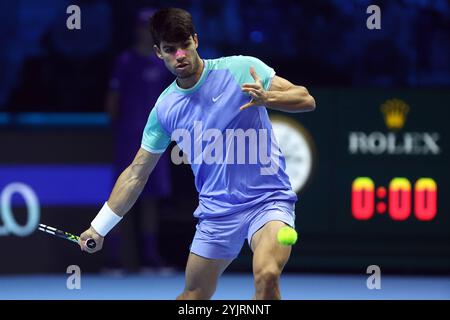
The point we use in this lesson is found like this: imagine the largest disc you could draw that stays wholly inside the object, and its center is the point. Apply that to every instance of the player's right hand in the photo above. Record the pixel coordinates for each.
(91, 233)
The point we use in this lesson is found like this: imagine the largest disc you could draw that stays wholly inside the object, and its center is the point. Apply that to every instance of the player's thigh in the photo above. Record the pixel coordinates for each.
(268, 253)
(202, 273)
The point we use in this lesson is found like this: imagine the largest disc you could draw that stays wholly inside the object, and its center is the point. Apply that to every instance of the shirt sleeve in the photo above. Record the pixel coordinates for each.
(240, 67)
(155, 139)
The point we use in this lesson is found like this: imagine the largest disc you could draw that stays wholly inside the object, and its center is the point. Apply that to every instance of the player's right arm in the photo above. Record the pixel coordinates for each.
(126, 191)
(130, 183)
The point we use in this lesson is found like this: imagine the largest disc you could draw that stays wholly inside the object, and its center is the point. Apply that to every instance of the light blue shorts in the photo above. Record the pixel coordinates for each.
(223, 237)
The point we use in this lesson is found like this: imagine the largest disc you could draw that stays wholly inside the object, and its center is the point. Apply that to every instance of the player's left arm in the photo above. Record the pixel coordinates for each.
(282, 95)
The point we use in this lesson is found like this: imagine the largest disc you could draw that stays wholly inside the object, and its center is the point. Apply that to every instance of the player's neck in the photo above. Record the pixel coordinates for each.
(189, 82)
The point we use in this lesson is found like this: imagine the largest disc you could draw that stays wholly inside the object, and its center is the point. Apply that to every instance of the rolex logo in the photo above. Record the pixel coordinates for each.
(394, 112)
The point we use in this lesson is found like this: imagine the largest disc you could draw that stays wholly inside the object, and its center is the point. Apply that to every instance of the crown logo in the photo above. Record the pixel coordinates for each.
(394, 112)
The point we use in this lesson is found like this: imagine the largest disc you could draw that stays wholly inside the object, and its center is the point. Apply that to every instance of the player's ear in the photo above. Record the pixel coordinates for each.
(195, 38)
(157, 51)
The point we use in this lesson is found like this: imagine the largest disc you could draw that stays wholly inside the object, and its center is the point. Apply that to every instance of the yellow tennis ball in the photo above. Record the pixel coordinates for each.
(287, 236)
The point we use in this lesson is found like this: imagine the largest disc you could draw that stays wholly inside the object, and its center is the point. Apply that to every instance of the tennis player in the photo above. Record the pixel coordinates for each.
(241, 195)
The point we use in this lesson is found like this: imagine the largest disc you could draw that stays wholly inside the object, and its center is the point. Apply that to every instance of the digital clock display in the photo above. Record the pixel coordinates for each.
(400, 200)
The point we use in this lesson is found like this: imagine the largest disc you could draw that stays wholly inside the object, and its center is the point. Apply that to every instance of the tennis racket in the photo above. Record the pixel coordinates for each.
(90, 243)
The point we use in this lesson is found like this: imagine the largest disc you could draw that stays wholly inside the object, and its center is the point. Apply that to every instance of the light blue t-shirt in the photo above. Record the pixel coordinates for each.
(235, 159)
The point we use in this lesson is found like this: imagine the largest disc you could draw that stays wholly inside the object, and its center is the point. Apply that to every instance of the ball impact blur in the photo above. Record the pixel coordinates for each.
(287, 236)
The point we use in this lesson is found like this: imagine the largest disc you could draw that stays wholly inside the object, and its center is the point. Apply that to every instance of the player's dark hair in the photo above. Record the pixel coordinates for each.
(171, 25)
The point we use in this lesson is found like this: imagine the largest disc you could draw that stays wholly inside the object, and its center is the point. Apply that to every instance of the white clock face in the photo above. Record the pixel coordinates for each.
(296, 147)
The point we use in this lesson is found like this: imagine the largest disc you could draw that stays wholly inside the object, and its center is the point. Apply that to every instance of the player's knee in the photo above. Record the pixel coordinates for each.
(267, 278)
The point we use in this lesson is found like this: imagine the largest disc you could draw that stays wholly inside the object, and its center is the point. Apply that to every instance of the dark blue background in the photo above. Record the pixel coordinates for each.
(44, 66)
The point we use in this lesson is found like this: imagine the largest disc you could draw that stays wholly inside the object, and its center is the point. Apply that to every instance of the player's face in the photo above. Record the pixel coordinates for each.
(180, 58)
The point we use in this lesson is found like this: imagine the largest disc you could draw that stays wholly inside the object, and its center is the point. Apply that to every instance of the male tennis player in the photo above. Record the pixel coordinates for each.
(241, 196)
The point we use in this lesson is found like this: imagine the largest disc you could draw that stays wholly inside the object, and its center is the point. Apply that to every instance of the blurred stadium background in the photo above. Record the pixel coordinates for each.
(372, 171)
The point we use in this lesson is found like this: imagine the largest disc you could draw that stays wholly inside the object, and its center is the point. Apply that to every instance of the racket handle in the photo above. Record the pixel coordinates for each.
(90, 243)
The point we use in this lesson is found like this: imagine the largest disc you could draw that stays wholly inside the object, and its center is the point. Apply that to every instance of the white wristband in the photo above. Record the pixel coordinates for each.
(105, 220)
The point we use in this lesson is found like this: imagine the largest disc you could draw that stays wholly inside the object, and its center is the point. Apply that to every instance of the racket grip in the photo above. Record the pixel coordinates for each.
(90, 243)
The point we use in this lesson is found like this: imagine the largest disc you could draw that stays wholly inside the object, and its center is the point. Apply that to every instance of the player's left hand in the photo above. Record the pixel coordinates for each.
(255, 90)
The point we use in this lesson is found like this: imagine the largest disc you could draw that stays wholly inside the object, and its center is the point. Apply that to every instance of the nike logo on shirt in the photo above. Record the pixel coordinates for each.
(214, 99)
